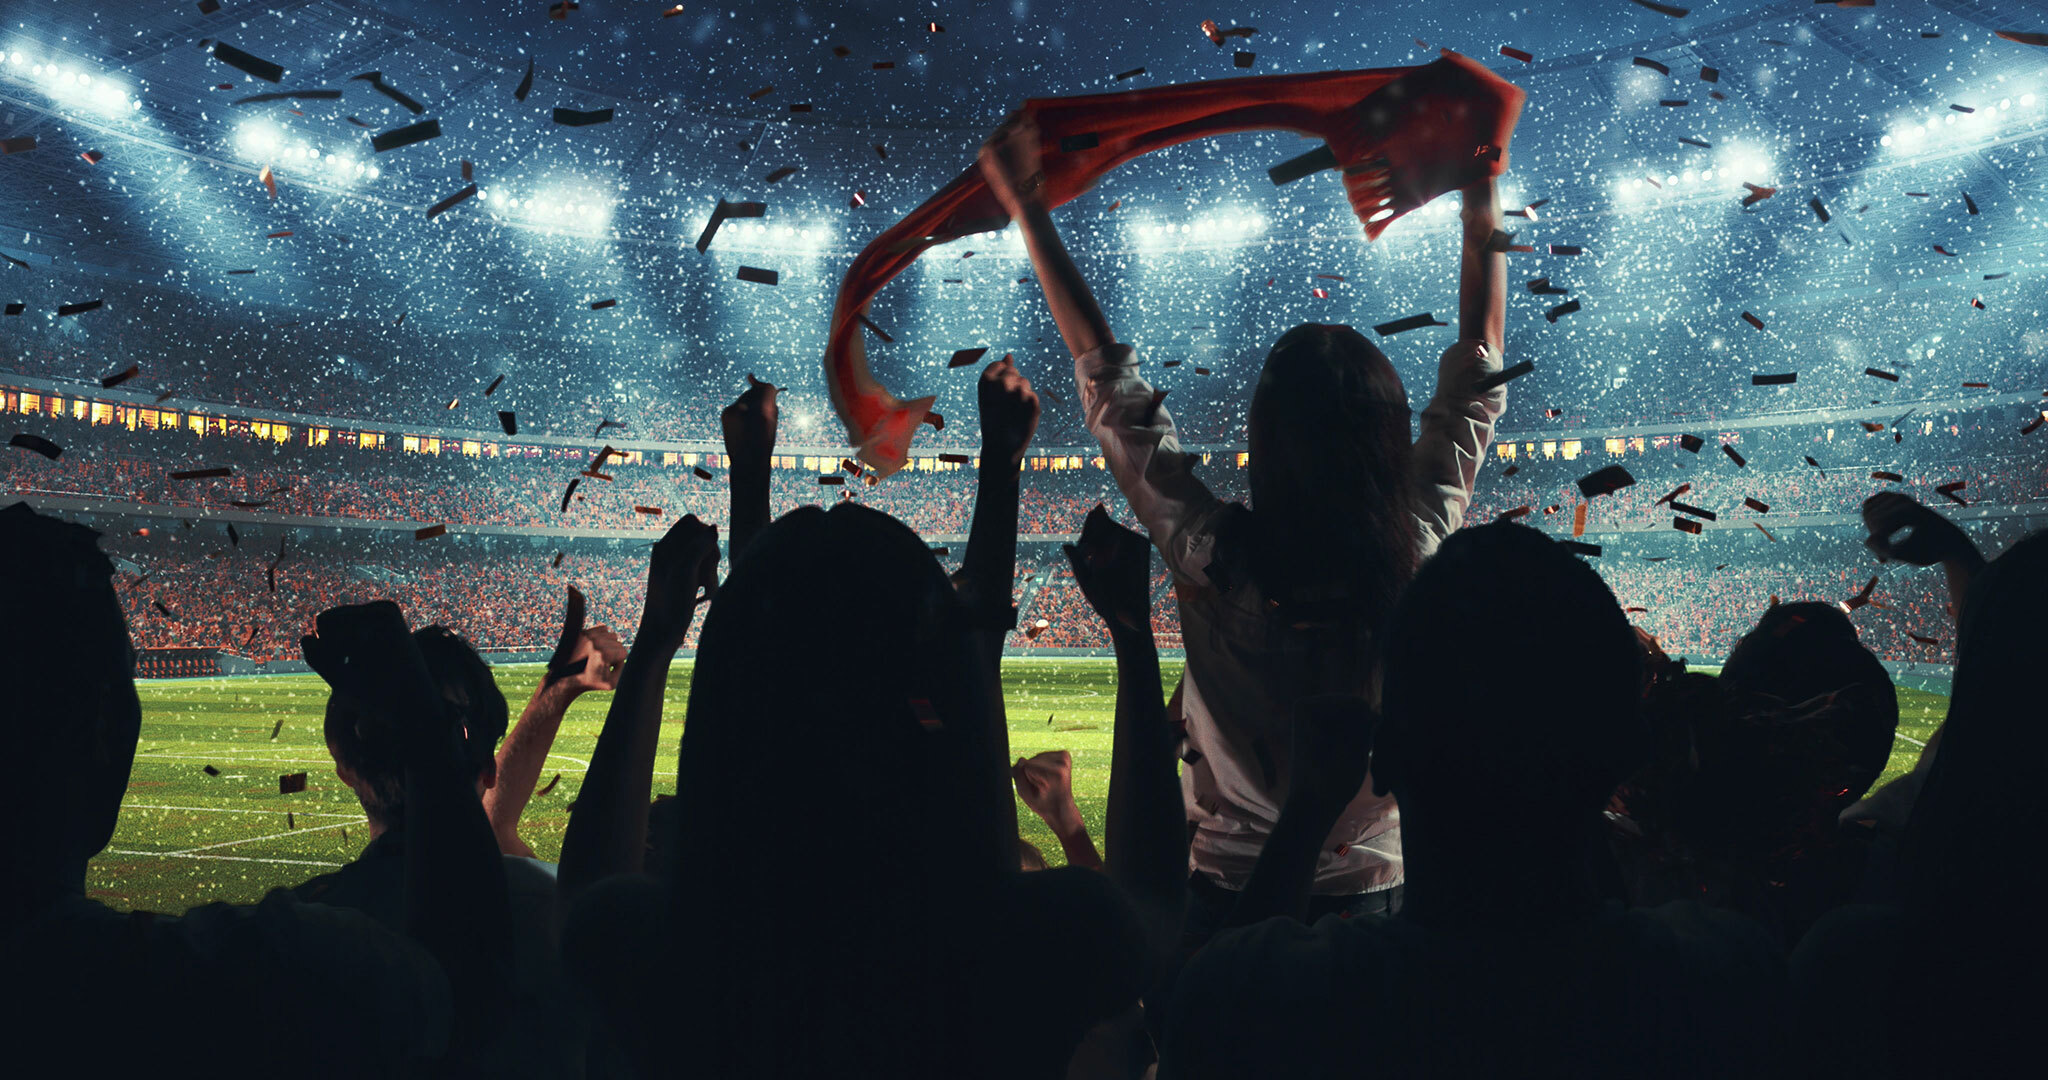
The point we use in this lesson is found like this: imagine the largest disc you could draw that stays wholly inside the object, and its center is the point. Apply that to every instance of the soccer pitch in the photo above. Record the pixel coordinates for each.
(187, 837)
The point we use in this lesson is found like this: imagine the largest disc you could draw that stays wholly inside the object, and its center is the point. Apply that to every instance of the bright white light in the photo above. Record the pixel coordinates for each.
(79, 89)
(578, 207)
(258, 139)
(1745, 163)
(1221, 227)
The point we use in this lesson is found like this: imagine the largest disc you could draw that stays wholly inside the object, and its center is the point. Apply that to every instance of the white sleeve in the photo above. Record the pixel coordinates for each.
(1456, 429)
(1143, 451)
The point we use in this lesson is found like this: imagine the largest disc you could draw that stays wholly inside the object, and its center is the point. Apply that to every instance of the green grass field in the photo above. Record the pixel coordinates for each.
(188, 838)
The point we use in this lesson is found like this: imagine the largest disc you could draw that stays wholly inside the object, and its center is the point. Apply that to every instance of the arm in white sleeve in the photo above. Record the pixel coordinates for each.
(1456, 429)
(1143, 452)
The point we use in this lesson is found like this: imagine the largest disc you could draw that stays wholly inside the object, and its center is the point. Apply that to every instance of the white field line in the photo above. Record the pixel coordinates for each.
(225, 755)
(1911, 739)
(226, 810)
(224, 858)
(272, 836)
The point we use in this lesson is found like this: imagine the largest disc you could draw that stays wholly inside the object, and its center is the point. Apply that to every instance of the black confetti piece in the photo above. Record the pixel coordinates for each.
(256, 66)
(405, 136)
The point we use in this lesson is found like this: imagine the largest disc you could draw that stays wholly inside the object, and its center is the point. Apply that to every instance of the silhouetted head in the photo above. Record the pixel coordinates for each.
(1476, 732)
(1328, 437)
(1799, 652)
(71, 700)
(375, 768)
(842, 804)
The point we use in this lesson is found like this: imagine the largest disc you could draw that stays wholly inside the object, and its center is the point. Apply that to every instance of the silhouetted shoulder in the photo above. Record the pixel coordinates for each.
(1675, 991)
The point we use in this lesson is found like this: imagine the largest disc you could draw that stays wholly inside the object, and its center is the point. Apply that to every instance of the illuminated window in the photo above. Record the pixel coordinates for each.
(1617, 446)
(79, 407)
(280, 432)
(472, 448)
(1636, 444)
(1571, 449)
(670, 457)
(431, 445)
(317, 436)
(1505, 450)
(1549, 448)
(410, 444)
(371, 440)
(102, 413)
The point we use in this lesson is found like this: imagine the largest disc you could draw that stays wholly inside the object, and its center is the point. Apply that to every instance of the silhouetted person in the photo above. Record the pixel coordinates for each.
(106, 992)
(1946, 984)
(543, 1029)
(1505, 958)
(1281, 601)
(843, 894)
(1796, 728)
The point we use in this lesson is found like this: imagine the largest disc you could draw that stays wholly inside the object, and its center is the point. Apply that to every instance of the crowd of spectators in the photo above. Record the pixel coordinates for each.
(1423, 803)
(1686, 586)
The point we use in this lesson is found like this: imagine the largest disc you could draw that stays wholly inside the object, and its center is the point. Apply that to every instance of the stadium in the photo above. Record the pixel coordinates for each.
(1766, 259)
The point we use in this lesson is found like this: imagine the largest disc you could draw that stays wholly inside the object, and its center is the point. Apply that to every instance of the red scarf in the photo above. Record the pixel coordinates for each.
(1403, 136)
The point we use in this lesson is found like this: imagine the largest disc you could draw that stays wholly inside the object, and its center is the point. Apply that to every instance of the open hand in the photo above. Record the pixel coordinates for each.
(1903, 529)
(1011, 163)
(749, 423)
(1009, 412)
(1046, 784)
(683, 561)
(1113, 566)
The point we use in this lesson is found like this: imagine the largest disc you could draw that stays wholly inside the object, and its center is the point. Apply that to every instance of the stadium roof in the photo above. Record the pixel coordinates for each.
(1904, 142)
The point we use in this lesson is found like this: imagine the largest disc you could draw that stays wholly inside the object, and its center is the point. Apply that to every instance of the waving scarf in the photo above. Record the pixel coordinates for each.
(1403, 136)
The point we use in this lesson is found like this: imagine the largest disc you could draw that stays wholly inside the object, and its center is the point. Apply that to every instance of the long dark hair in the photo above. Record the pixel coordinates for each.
(837, 789)
(1332, 524)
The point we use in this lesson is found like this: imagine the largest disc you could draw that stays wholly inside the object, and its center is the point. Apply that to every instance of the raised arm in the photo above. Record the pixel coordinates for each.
(523, 756)
(988, 572)
(1010, 163)
(1902, 528)
(1146, 829)
(1457, 425)
(1482, 269)
(1127, 416)
(607, 831)
(749, 425)
(1331, 750)
(456, 903)
(1045, 782)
